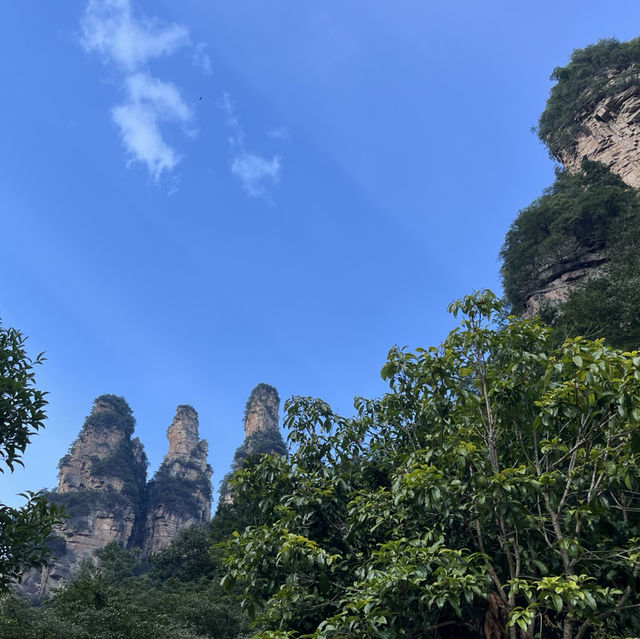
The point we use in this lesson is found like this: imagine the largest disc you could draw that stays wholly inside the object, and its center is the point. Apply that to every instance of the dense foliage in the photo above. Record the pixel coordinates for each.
(179, 493)
(586, 211)
(25, 531)
(594, 73)
(122, 598)
(118, 416)
(21, 403)
(493, 490)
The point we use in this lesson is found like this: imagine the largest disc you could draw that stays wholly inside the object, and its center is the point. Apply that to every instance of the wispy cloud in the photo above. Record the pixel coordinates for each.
(200, 58)
(149, 102)
(255, 172)
(108, 27)
(279, 133)
(130, 42)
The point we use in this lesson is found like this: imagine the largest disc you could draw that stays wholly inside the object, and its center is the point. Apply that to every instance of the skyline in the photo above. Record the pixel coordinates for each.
(203, 197)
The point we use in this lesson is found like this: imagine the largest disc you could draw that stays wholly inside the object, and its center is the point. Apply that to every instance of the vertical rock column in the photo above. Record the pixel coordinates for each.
(261, 434)
(180, 492)
(101, 484)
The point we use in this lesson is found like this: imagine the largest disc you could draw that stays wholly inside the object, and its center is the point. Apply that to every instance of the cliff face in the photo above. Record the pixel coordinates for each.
(102, 484)
(611, 135)
(262, 408)
(557, 278)
(180, 492)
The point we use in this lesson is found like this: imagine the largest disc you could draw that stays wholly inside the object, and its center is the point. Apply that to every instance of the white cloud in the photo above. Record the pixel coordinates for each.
(130, 42)
(256, 172)
(109, 27)
(149, 102)
(236, 139)
(200, 58)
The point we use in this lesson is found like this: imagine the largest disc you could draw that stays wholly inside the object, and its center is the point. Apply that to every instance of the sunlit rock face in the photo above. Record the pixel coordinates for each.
(102, 484)
(262, 410)
(180, 492)
(261, 433)
(611, 135)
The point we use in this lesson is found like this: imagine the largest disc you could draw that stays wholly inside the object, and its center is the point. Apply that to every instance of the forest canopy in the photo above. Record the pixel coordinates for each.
(495, 483)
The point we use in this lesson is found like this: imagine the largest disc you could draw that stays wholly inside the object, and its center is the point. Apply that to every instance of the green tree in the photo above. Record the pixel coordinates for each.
(24, 531)
(492, 491)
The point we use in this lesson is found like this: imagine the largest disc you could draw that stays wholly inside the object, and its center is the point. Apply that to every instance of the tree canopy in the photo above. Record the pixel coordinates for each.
(493, 489)
(24, 531)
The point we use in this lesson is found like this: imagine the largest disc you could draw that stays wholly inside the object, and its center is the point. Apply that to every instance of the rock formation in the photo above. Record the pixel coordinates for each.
(261, 411)
(610, 135)
(102, 484)
(605, 128)
(262, 436)
(180, 492)
(559, 277)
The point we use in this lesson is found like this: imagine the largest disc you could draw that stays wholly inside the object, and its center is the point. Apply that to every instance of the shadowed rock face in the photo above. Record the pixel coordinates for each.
(102, 484)
(559, 277)
(180, 492)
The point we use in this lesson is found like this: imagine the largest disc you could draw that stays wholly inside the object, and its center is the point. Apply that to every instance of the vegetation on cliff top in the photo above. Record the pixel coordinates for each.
(590, 210)
(179, 494)
(593, 74)
(260, 393)
(118, 416)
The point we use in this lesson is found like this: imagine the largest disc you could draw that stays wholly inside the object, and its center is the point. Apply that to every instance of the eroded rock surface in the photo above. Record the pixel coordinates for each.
(262, 436)
(262, 410)
(559, 277)
(180, 492)
(102, 484)
(611, 136)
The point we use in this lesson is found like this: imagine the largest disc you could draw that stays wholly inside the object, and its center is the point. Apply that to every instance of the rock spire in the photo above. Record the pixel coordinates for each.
(180, 492)
(102, 484)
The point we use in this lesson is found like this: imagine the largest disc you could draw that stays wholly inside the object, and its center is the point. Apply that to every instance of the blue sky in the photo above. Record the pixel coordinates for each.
(200, 196)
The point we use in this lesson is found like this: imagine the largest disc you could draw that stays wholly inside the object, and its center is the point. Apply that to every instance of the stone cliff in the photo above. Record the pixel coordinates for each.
(262, 436)
(102, 484)
(610, 134)
(558, 277)
(592, 114)
(180, 493)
